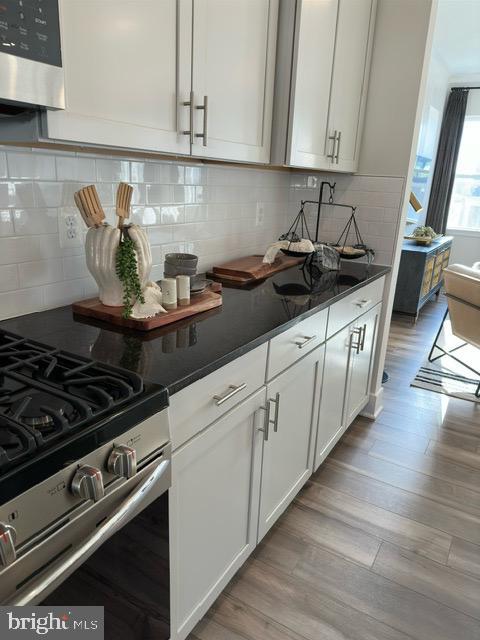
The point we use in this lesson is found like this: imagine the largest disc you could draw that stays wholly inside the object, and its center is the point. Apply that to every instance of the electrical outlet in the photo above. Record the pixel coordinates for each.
(69, 227)
(260, 214)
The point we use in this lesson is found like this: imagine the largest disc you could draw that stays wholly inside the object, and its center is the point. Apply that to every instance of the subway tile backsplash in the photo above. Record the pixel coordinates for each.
(218, 212)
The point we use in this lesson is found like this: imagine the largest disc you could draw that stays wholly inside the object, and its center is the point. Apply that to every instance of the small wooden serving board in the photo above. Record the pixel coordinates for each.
(93, 308)
(251, 268)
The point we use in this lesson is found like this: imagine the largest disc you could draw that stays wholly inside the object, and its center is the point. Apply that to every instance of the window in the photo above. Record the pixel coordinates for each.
(464, 210)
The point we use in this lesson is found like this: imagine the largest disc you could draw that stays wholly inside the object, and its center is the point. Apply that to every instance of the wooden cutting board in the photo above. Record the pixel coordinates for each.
(251, 268)
(93, 308)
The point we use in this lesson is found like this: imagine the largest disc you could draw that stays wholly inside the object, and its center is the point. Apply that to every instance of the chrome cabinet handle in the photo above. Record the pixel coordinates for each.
(58, 571)
(276, 400)
(362, 303)
(190, 132)
(364, 333)
(203, 106)
(266, 422)
(357, 331)
(306, 340)
(339, 137)
(219, 400)
(334, 138)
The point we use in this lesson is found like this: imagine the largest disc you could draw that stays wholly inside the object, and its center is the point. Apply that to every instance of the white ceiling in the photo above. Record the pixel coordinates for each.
(457, 36)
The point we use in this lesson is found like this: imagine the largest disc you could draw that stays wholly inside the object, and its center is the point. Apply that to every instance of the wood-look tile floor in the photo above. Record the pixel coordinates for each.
(383, 542)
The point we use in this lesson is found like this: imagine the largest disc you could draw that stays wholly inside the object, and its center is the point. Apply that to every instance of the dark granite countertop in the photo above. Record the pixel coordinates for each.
(177, 355)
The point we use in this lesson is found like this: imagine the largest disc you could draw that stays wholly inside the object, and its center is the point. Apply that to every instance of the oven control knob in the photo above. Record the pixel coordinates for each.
(8, 536)
(87, 483)
(122, 462)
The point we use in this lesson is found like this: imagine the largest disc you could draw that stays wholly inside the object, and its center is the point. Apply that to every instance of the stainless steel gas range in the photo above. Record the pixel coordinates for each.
(84, 478)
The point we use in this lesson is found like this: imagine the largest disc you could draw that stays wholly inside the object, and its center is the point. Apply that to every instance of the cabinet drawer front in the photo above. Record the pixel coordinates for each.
(348, 309)
(427, 277)
(201, 403)
(293, 344)
(437, 276)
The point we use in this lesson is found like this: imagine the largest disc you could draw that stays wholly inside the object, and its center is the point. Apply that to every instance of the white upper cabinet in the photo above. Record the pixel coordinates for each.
(137, 73)
(310, 97)
(323, 58)
(349, 81)
(127, 67)
(234, 43)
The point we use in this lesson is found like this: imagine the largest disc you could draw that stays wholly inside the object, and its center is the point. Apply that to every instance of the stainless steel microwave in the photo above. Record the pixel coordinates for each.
(31, 70)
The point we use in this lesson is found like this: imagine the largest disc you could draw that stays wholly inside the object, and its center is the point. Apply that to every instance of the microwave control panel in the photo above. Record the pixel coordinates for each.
(30, 29)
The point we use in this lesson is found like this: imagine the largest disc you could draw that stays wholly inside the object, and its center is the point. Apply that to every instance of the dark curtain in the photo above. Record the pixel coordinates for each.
(446, 161)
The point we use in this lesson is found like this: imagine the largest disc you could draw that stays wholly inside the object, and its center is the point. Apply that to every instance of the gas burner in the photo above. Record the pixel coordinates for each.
(16, 443)
(10, 440)
(48, 396)
(39, 410)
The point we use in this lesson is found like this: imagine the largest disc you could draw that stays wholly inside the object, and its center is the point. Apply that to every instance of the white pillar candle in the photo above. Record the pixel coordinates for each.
(183, 290)
(169, 293)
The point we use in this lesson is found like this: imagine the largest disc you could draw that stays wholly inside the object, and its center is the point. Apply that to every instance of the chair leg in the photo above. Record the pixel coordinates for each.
(435, 346)
(450, 352)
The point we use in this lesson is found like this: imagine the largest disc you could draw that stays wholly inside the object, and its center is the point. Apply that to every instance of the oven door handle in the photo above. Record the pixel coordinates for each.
(54, 575)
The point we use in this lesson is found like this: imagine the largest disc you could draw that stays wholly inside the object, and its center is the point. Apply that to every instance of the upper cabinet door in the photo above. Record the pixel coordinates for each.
(127, 71)
(315, 24)
(234, 44)
(323, 54)
(349, 81)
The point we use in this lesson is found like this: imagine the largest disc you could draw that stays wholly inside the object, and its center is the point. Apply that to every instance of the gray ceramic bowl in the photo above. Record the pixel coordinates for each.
(171, 270)
(182, 260)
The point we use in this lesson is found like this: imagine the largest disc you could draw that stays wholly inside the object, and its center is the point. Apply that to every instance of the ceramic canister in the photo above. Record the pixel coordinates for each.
(183, 290)
(169, 293)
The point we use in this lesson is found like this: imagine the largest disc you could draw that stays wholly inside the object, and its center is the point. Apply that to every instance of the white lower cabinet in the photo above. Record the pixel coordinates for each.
(334, 387)
(213, 510)
(346, 379)
(365, 331)
(233, 479)
(287, 460)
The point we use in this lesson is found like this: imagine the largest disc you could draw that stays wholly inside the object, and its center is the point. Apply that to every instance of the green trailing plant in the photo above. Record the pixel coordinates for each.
(425, 232)
(126, 268)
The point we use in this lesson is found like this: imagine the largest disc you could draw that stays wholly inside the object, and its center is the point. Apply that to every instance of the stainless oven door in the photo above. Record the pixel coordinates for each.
(122, 563)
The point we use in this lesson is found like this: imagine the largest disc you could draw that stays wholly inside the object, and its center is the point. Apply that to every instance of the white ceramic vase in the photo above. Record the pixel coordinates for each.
(101, 250)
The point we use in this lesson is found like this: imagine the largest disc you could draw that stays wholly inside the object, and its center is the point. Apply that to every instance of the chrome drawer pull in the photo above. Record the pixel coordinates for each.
(306, 340)
(189, 103)
(203, 107)
(338, 146)
(363, 303)
(219, 400)
(334, 138)
(357, 331)
(276, 400)
(266, 422)
(364, 333)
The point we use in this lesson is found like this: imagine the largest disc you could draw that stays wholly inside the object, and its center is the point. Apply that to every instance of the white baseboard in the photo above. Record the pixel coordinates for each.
(374, 406)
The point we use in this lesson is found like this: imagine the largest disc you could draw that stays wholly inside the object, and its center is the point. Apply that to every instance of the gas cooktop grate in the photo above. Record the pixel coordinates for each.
(47, 394)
